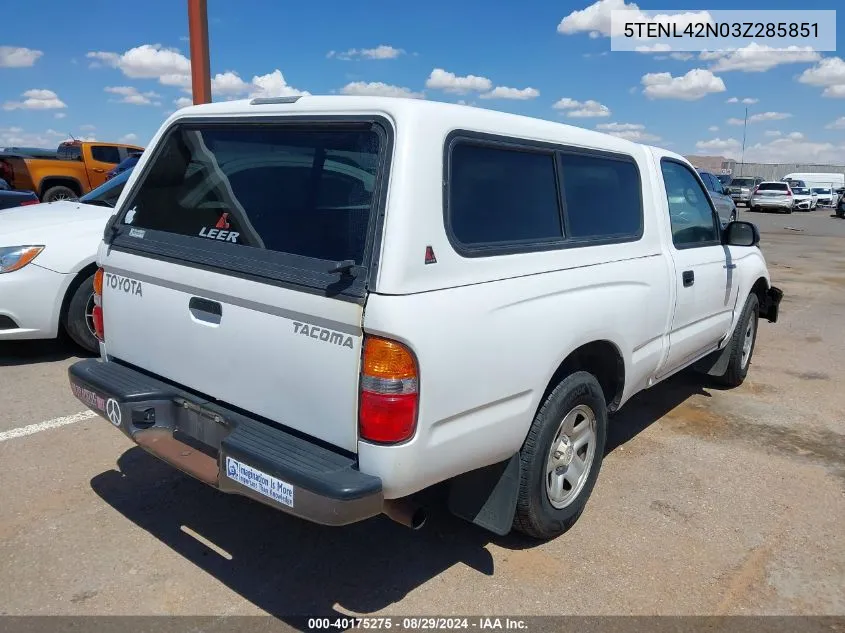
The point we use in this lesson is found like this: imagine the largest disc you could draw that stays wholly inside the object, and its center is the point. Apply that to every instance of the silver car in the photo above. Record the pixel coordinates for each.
(776, 196)
(827, 197)
(725, 206)
(740, 189)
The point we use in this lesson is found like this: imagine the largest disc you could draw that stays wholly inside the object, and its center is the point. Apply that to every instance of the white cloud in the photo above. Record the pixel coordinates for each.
(829, 73)
(746, 101)
(503, 92)
(18, 137)
(838, 124)
(795, 148)
(148, 61)
(790, 148)
(131, 95)
(758, 57)
(183, 102)
(732, 100)
(36, 100)
(772, 133)
(440, 79)
(379, 89)
(582, 109)
(274, 85)
(383, 51)
(728, 145)
(128, 138)
(595, 19)
(694, 85)
(681, 57)
(59, 115)
(228, 83)
(762, 116)
(713, 128)
(18, 56)
(631, 131)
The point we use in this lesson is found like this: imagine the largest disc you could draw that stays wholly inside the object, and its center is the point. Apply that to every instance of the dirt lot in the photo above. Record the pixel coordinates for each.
(710, 501)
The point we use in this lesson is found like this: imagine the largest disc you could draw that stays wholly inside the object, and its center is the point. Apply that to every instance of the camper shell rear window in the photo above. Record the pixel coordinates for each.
(297, 195)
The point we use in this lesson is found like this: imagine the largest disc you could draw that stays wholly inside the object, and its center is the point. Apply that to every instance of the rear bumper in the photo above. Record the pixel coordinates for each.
(226, 449)
(771, 203)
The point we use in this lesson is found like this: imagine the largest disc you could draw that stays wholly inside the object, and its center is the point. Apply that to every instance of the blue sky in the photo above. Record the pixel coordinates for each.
(113, 70)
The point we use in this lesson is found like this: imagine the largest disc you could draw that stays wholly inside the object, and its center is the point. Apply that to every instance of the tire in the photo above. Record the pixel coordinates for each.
(752, 209)
(59, 192)
(75, 319)
(788, 211)
(579, 399)
(740, 356)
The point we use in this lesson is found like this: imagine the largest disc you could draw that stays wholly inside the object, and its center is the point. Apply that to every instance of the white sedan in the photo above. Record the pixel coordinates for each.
(47, 264)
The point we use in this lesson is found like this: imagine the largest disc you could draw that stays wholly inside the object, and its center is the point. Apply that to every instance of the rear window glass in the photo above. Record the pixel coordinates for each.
(742, 182)
(296, 190)
(773, 186)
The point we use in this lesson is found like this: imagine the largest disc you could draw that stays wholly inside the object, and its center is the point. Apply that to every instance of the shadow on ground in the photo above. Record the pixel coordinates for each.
(38, 351)
(288, 567)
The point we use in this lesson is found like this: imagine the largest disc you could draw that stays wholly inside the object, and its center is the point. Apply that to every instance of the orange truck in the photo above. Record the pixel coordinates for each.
(79, 167)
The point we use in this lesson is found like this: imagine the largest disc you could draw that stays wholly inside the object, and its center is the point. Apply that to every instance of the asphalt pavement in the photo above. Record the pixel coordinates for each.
(710, 501)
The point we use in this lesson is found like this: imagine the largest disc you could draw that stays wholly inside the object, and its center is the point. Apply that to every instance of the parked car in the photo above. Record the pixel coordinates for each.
(725, 179)
(826, 196)
(507, 309)
(47, 266)
(127, 163)
(725, 206)
(805, 198)
(9, 198)
(772, 195)
(840, 205)
(741, 188)
(78, 168)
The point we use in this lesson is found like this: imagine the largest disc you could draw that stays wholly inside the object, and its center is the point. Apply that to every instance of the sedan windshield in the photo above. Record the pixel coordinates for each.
(106, 195)
(821, 190)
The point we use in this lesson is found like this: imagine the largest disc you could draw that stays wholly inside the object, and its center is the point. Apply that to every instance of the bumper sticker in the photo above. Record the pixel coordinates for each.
(89, 397)
(262, 483)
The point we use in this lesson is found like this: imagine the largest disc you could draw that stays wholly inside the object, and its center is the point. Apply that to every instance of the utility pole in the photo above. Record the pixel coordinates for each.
(200, 66)
(744, 128)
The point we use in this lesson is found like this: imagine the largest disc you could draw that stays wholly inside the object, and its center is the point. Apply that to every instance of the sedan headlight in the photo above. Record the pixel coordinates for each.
(15, 257)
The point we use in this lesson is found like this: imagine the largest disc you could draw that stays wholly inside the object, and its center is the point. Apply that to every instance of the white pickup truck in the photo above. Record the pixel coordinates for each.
(329, 304)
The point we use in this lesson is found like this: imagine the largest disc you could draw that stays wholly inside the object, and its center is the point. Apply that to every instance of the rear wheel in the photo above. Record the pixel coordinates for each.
(78, 319)
(561, 457)
(59, 192)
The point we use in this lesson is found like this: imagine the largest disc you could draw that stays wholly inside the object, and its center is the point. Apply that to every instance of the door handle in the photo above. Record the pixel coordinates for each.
(688, 278)
(205, 310)
(98, 170)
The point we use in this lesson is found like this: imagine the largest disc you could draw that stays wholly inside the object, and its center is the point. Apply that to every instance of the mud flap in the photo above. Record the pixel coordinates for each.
(771, 304)
(715, 364)
(487, 496)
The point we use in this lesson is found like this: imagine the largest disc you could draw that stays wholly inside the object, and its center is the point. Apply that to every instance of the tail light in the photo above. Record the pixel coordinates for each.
(389, 392)
(788, 191)
(28, 202)
(755, 190)
(97, 313)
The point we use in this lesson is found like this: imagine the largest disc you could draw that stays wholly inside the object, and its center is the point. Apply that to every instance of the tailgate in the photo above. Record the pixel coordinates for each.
(240, 268)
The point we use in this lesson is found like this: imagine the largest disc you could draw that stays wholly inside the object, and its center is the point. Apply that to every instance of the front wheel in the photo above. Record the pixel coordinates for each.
(561, 457)
(78, 319)
(742, 344)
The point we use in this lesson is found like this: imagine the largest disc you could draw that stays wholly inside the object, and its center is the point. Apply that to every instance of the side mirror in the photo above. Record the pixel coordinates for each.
(740, 233)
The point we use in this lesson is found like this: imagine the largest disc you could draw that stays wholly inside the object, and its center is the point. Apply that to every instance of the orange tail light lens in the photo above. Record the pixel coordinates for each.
(389, 392)
(97, 313)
